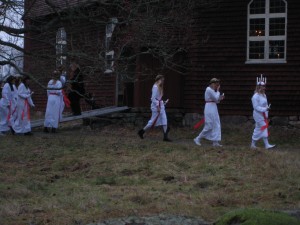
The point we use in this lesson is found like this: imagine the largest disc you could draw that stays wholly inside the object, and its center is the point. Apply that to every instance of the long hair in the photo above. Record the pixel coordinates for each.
(24, 81)
(161, 85)
(258, 90)
(10, 80)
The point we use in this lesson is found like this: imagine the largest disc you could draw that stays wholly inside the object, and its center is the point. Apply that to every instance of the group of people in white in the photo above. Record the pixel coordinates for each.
(16, 101)
(15, 106)
(212, 126)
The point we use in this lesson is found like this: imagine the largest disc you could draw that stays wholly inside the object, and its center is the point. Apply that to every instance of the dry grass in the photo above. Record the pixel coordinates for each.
(79, 175)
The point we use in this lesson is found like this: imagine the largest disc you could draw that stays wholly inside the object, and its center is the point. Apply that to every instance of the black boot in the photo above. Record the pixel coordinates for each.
(141, 133)
(166, 135)
(53, 130)
(46, 130)
(12, 131)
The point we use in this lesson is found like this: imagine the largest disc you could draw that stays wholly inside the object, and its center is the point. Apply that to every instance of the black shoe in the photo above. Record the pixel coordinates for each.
(46, 130)
(12, 131)
(141, 133)
(53, 130)
(167, 139)
(28, 133)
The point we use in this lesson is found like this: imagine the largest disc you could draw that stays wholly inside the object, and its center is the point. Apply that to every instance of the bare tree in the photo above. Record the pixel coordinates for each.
(11, 39)
(107, 37)
(123, 30)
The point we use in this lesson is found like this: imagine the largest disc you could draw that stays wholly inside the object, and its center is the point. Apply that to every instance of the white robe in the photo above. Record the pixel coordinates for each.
(156, 100)
(53, 113)
(22, 123)
(7, 106)
(212, 125)
(14, 104)
(260, 108)
(63, 80)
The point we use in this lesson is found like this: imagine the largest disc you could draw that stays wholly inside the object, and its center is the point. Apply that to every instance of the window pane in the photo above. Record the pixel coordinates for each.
(257, 27)
(277, 6)
(277, 26)
(276, 49)
(257, 7)
(256, 50)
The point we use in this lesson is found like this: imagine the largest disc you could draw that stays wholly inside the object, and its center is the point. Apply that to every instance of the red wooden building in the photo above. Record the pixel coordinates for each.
(234, 40)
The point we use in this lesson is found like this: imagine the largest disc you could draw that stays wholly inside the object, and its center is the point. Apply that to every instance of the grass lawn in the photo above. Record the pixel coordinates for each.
(80, 175)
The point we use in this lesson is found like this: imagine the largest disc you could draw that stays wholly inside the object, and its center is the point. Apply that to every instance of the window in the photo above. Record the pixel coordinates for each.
(61, 47)
(267, 23)
(109, 55)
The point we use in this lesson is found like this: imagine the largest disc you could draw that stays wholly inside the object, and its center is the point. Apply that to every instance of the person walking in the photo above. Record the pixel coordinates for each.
(77, 90)
(53, 113)
(260, 114)
(158, 117)
(22, 123)
(212, 125)
(8, 106)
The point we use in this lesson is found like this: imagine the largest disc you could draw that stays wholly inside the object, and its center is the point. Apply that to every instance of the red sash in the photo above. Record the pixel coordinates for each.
(267, 123)
(9, 111)
(199, 124)
(66, 99)
(26, 106)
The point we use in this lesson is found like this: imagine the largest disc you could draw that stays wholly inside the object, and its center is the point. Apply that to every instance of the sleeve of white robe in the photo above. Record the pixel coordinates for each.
(22, 92)
(212, 95)
(155, 95)
(5, 94)
(256, 105)
(30, 102)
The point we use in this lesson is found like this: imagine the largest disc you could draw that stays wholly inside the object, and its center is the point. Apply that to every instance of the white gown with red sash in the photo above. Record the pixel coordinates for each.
(260, 116)
(53, 113)
(212, 125)
(157, 118)
(24, 101)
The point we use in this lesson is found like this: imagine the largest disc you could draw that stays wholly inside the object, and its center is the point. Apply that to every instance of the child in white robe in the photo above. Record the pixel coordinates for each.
(212, 125)
(53, 113)
(22, 123)
(7, 106)
(260, 114)
(158, 117)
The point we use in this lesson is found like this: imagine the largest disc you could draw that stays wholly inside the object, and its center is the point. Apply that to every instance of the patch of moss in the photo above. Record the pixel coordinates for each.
(256, 217)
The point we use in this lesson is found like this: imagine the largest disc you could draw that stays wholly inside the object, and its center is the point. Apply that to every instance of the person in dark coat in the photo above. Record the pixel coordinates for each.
(76, 88)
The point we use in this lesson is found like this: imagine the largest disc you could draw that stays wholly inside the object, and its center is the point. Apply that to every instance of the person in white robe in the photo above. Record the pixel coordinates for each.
(158, 117)
(22, 123)
(212, 125)
(260, 114)
(53, 113)
(7, 106)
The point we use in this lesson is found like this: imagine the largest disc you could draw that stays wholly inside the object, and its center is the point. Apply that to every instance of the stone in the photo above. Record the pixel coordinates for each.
(295, 124)
(280, 121)
(191, 119)
(293, 118)
(236, 120)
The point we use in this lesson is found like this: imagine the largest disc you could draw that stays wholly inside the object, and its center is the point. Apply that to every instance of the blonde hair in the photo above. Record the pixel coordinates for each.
(258, 89)
(161, 85)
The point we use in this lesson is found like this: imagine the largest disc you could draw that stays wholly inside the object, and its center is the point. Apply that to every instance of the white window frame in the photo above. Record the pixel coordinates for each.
(109, 54)
(267, 16)
(61, 40)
